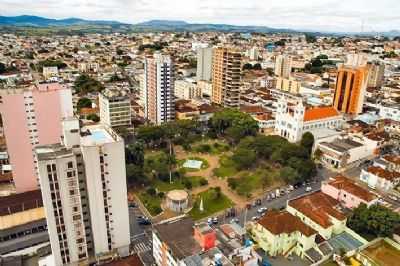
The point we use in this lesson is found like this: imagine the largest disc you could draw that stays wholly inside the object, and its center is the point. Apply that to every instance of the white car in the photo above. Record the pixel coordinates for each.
(308, 189)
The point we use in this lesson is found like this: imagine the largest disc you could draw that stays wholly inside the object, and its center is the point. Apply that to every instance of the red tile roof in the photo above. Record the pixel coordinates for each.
(382, 173)
(343, 183)
(319, 113)
(318, 207)
(278, 222)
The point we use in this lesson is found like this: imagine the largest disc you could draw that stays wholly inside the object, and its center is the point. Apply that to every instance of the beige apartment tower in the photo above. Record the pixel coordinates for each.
(226, 70)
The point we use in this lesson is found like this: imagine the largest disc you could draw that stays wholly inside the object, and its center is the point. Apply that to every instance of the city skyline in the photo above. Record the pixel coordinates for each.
(326, 15)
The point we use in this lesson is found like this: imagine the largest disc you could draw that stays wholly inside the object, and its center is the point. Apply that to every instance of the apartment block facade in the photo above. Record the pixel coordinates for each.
(351, 85)
(83, 185)
(28, 122)
(226, 71)
(159, 99)
(115, 109)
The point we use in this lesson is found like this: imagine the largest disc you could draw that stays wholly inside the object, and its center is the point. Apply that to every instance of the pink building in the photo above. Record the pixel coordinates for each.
(32, 116)
(347, 192)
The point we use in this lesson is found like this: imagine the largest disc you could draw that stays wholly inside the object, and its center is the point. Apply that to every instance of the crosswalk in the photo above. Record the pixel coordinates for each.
(141, 247)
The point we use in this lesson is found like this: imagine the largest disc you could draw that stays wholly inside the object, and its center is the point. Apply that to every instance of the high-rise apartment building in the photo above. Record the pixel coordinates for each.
(376, 74)
(350, 89)
(32, 116)
(159, 100)
(115, 108)
(204, 64)
(226, 71)
(283, 66)
(83, 184)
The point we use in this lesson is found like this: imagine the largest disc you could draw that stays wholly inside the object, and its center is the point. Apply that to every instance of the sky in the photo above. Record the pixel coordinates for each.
(321, 15)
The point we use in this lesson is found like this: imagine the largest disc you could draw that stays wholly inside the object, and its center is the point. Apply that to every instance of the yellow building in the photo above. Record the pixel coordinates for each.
(281, 233)
(351, 84)
(290, 84)
(226, 69)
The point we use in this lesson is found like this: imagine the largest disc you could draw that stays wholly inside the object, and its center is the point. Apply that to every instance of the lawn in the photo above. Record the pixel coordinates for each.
(227, 167)
(249, 181)
(152, 203)
(212, 203)
(213, 147)
(196, 181)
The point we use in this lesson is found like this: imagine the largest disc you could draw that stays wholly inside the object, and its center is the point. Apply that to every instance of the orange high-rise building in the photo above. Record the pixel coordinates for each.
(226, 71)
(351, 84)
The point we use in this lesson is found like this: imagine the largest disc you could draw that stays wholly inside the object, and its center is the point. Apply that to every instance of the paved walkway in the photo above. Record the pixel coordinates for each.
(213, 181)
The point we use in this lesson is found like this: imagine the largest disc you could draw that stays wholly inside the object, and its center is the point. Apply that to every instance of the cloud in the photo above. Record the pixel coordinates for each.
(332, 15)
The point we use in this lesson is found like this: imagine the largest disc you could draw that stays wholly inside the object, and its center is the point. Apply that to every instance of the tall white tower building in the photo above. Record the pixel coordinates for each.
(283, 66)
(159, 100)
(204, 64)
(83, 184)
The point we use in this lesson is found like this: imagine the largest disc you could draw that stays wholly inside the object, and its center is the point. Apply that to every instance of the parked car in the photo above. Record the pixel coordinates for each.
(215, 220)
(308, 189)
(258, 202)
(132, 205)
(248, 206)
(142, 220)
(235, 220)
(272, 195)
(210, 221)
(255, 218)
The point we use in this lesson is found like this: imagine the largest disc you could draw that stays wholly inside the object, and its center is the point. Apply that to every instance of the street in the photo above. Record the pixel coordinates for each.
(244, 215)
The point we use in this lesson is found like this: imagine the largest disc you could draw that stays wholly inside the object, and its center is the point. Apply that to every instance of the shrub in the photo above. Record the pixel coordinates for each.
(151, 191)
(232, 183)
(203, 182)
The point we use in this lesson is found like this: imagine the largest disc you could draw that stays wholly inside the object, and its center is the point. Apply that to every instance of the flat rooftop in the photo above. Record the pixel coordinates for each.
(342, 145)
(382, 253)
(97, 135)
(52, 151)
(178, 235)
(20, 202)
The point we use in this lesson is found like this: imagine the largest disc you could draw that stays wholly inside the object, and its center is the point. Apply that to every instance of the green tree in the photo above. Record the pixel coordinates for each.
(376, 220)
(93, 117)
(83, 103)
(307, 141)
(247, 66)
(134, 154)
(244, 158)
(289, 175)
(135, 175)
(85, 84)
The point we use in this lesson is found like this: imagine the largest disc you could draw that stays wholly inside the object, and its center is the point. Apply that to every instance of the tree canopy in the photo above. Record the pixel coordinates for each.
(84, 103)
(85, 84)
(376, 220)
(233, 124)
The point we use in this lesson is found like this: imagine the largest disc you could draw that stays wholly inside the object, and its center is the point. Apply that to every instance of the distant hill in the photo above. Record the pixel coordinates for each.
(35, 21)
(20, 23)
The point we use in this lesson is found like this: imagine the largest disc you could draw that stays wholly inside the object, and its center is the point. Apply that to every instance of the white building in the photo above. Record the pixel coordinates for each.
(186, 90)
(204, 64)
(379, 178)
(115, 108)
(390, 111)
(205, 88)
(83, 185)
(292, 121)
(159, 99)
(283, 66)
(50, 72)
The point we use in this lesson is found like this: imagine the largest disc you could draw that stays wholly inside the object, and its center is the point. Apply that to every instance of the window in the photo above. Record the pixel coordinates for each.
(70, 165)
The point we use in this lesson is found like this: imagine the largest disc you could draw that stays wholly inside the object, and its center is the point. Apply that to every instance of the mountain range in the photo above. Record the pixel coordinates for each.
(152, 25)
